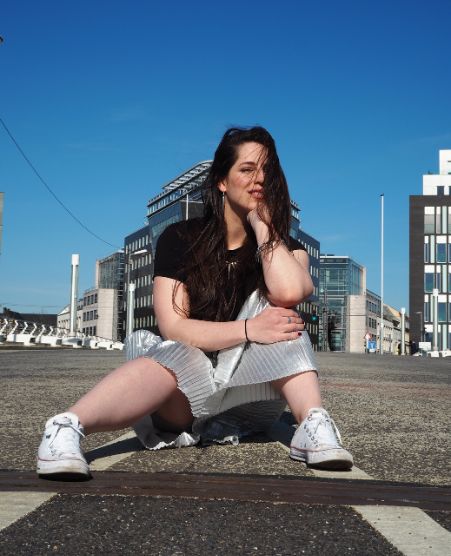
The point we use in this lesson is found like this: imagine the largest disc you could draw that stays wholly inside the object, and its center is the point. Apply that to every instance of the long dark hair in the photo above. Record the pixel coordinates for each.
(212, 294)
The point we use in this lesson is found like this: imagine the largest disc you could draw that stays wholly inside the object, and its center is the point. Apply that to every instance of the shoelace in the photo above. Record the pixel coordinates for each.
(68, 440)
(323, 420)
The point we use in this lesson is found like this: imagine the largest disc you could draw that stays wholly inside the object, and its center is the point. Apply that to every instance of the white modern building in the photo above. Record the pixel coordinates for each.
(430, 258)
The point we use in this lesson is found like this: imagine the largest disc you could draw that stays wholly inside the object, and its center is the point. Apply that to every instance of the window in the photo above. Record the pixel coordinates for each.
(441, 252)
(428, 282)
(429, 220)
(440, 190)
(426, 251)
(427, 312)
(438, 214)
(442, 312)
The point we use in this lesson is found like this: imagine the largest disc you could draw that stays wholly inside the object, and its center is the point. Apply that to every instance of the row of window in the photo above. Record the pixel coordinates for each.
(312, 251)
(89, 299)
(437, 220)
(90, 315)
(145, 322)
(142, 281)
(437, 249)
(139, 262)
(371, 323)
(444, 311)
(137, 244)
(314, 271)
(142, 301)
(372, 307)
(90, 330)
(437, 277)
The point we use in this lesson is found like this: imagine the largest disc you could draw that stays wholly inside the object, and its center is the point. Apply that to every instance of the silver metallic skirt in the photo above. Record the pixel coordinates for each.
(232, 398)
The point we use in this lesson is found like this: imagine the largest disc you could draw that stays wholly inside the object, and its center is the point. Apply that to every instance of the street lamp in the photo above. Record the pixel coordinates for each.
(381, 350)
(421, 324)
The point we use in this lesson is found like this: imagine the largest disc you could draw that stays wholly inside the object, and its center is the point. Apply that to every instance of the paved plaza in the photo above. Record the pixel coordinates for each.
(394, 416)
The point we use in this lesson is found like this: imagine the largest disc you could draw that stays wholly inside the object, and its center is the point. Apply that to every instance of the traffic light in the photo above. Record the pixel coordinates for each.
(314, 317)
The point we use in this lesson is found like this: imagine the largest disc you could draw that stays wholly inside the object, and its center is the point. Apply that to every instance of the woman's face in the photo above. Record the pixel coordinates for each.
(243, 186)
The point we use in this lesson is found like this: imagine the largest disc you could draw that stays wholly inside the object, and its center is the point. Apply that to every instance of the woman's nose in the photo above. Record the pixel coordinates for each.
(259, 176)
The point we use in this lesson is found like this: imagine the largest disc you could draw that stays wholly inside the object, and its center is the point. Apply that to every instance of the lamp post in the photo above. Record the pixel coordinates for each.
(74, 294)
(403, 330)
(421, 325)
(435, 319)
(382, 278)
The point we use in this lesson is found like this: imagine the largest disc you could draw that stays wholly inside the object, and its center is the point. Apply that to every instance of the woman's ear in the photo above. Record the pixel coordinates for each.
(222, 187)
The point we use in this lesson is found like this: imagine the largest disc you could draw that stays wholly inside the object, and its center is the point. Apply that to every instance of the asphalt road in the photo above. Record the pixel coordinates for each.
(393, 413)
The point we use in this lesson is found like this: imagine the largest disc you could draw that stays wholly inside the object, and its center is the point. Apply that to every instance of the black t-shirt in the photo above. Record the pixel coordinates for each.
(173, 248)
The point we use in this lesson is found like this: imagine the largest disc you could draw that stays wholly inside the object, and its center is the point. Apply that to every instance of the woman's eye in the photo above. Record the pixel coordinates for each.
(247, 170)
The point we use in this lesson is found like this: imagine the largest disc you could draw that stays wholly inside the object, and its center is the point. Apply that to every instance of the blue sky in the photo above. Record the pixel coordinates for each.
(110, 100)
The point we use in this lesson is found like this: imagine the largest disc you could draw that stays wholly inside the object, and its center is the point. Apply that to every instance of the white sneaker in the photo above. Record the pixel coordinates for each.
(317, 442)
(59, 452)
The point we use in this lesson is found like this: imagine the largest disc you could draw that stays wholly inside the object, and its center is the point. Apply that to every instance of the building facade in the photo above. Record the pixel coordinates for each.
(310, 308)
(430, 257)
(340, 278)
(102, 304)
(138, 260)
(63, 317)
(350, 314)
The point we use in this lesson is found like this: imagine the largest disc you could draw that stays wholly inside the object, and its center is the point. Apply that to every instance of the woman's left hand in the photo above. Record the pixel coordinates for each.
(255, 219)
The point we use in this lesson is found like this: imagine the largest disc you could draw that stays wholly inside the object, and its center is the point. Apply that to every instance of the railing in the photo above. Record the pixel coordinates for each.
(16, 331)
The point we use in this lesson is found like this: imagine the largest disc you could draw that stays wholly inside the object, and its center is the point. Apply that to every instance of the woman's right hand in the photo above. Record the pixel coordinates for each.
(274, 324)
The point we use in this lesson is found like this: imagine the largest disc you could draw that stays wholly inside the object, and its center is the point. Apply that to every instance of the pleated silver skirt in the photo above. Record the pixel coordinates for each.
(232, 398)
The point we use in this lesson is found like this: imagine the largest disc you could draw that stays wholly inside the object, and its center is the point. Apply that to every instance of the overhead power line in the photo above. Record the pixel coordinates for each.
(44, 183)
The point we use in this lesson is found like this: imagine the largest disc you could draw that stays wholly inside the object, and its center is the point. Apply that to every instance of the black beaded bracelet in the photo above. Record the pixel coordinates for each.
(245, 330)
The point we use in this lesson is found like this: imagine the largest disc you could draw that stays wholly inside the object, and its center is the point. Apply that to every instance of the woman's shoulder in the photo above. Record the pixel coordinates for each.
(192, 224)
(181, 230)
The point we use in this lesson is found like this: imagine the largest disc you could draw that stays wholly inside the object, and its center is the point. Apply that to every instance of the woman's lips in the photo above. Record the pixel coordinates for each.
(256, 194)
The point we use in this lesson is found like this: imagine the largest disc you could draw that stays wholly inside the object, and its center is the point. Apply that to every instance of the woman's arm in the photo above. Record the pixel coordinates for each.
(271, 325)
(286, 273)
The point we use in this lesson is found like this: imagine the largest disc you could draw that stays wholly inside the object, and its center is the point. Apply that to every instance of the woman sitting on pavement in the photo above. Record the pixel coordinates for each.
(234, 350)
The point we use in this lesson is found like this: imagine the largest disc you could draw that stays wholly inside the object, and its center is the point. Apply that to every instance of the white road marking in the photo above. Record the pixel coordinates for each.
(410, 530)
(15, 505)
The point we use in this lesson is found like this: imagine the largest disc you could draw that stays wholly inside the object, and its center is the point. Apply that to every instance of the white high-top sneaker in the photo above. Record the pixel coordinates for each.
(317, 442)
(60, 451)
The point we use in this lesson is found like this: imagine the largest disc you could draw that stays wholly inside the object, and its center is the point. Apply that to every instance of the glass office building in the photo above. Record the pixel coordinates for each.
(180, 199)
(339, 278)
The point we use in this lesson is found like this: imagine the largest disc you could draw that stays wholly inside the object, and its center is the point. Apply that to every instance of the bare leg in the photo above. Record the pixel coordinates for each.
(137, 388)
(175, 414)
(301, 392)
